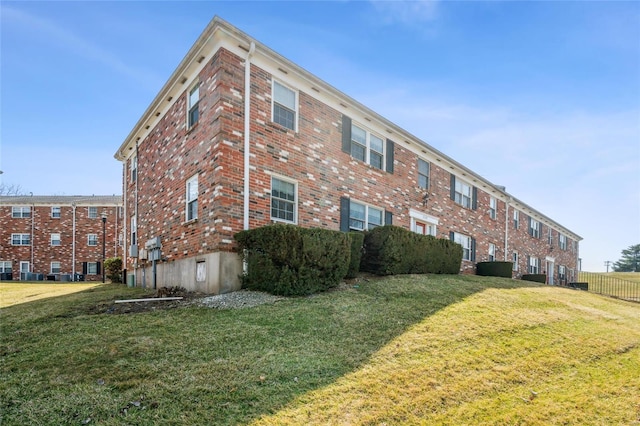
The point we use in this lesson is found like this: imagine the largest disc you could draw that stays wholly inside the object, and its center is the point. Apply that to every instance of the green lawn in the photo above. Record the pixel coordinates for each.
(402, 350)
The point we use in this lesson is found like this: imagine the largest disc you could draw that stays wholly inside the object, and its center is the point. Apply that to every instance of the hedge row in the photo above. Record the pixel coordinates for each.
(495, 269)
(539, 278)
(290, 260)
(390, 250)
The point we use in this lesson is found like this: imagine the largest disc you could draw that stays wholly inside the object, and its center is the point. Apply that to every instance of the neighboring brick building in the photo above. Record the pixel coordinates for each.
(205, 161)
(58, 237)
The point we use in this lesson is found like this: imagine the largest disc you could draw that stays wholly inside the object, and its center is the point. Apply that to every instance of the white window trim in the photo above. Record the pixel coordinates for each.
(89, 240)
(89, 215)
(59, 239)
(462, 195)
(3, 266)
(21, 239)
(133, 166)
(23, 212)
(190, 107)
(466, 248)
(421, 174)
(534, 262)
(189, 201)
(493, 208)
(295, 199)
(296, 111)
(492, 252)
(95, 265)
(535, 227)
(59, 212)
(516, 219)
(366, 215)
(51, 267)
(367, 146)
(516, 260)
(134, 231)
(562, 242)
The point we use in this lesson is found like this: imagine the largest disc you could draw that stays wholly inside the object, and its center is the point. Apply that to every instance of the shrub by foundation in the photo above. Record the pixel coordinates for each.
(539, 278)
(495, 269)
(357, 242)
(391, 250)
(289, 260)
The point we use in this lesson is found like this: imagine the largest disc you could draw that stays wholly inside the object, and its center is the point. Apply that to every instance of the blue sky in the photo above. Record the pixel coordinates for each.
(542, 97)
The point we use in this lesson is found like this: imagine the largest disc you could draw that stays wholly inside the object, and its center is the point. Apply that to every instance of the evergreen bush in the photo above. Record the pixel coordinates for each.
(357, 242)
(495, 269)
(539, 278)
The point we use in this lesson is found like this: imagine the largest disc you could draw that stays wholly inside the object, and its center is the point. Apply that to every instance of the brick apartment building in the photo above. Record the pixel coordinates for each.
(58, 237)
(240, 137)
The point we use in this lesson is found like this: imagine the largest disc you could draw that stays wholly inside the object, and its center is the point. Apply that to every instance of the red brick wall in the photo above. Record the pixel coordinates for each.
(41, 253)
(312, 157)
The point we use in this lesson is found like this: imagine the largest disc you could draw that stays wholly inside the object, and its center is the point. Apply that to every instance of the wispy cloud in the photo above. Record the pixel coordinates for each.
(406, 12)
(54, 33)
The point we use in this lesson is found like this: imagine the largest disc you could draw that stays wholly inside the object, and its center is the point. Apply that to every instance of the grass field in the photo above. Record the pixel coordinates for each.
(403, 350)
(22, 292)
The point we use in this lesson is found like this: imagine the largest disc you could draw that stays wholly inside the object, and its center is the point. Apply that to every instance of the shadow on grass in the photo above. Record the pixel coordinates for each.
(201, 365)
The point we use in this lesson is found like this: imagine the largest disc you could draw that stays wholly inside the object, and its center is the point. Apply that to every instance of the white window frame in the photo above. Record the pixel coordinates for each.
(6, 266)
(516, 219)
(134, 168)
(92, 268)
(465, 242)
(422, 176)
(275, 102)
(55, 267)
(463, 193)
(367, 225)
(193, 106)
(562, 241)
(20, 212)
(562, 272)
(134, 231)
(534, 265)
(92, 238)
(191, 198)
(516, 260)
(293, 202)
(493, 208)
(92, 212)
(56, 212)
(535, 228)
(550, 235)
(22, 239)
(492, 252)
(367, 146)
(55, 239)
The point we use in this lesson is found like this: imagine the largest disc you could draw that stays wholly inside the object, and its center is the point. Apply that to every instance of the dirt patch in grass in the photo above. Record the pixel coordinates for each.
(111, 307)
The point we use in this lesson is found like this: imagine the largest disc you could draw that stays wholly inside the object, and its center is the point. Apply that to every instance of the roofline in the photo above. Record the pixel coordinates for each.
(342, 98)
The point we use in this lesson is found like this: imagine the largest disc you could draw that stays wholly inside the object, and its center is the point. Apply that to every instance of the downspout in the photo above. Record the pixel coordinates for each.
(73, 241)
(506, 231)
(247, 123)
(33, 235)
(124, 223)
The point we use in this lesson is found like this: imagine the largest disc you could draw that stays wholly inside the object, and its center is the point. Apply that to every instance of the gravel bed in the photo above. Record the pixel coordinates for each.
(238, 300)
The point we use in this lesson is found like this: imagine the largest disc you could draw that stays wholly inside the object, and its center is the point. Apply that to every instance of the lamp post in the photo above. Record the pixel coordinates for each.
(104, 241)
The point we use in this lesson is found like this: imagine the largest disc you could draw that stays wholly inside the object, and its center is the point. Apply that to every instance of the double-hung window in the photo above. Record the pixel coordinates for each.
(493, 208)
(423, 174)
(134, 168)
(192, 198)
(562, 242)
(93, 212)
(492, 252)
(515, 260)
(534, 265)
(20, 239)
(134, 231)
(283, 200)
(367, 147)
(516, 219)
(534, 228)
(466, 242)
(562, 273)
(55, 267)
(22, 212)
(193, 108)
(463, 194)
(92, 239)
(284, 106)
(550, 236)
(92, 268)
(55, 239)
(5, 266)
(364, 217)
(55, 212)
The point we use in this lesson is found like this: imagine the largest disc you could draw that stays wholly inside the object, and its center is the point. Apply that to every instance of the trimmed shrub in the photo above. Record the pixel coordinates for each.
(289, 260)
(539, 278)
(113, 269)
(357, 243)
(495, 269)
(391, 250)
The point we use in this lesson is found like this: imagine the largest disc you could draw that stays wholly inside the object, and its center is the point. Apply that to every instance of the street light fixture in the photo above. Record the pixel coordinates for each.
(104, 241)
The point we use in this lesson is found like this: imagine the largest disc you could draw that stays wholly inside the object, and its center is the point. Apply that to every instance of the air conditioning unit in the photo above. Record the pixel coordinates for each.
(153, 243)
(133, 250)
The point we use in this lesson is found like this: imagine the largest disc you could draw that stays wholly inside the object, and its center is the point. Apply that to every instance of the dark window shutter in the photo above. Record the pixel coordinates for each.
(453, 187)
(530, 227)
(451, 236)
(84, 268)
(473, 249)
(390, 147)
(540, 233)
(344, 214)
(474, 201)
(98, 271)
(388, 218)
(346, 134)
